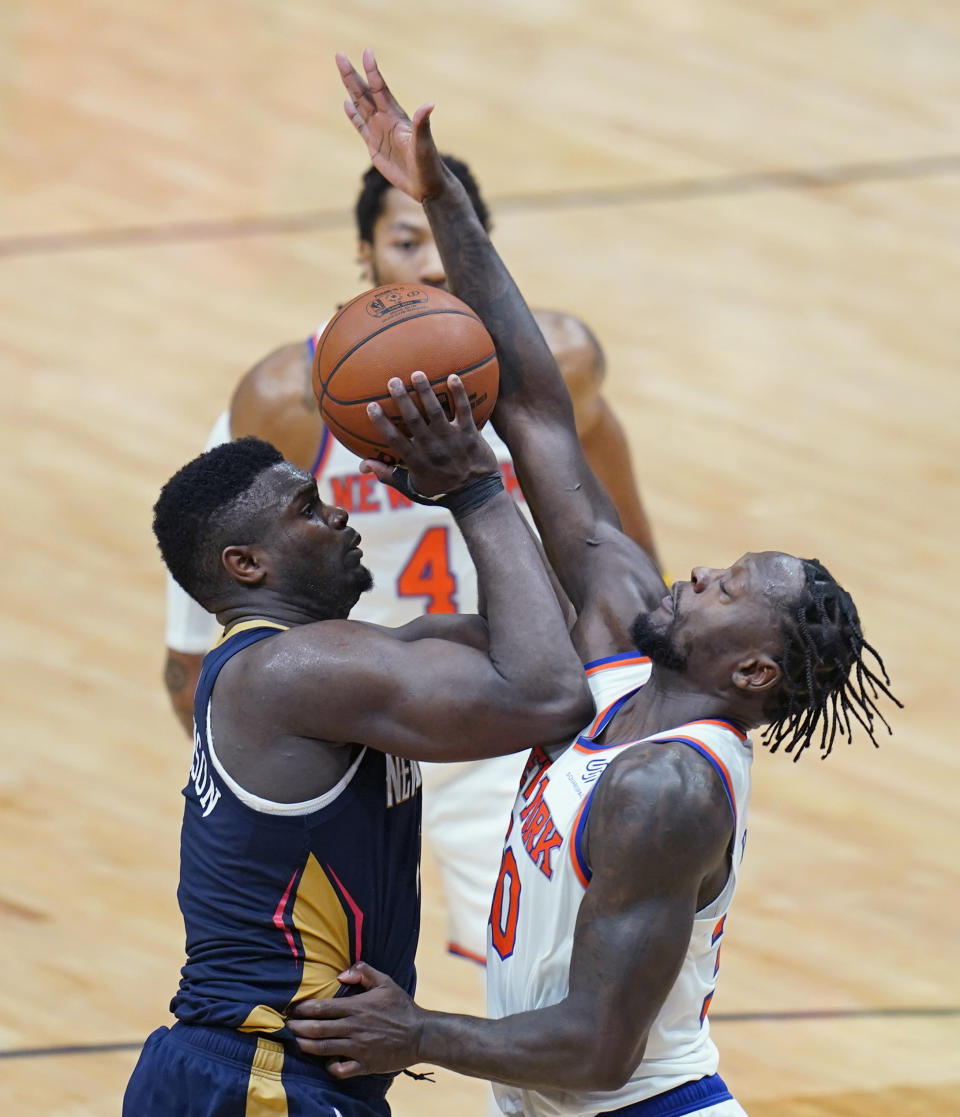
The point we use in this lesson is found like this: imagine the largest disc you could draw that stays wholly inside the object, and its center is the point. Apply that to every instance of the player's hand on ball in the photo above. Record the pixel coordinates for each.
(441, 455)
(373, 1033)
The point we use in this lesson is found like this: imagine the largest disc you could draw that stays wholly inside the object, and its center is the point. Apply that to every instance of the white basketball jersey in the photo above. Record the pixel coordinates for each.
(542, 881)
(419, 559)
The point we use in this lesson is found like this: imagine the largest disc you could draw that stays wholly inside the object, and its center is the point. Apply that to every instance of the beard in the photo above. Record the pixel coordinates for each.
(329, 598)
(658, 642)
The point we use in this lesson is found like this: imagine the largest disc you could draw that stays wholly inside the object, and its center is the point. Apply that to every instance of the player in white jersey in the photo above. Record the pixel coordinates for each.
(544, 876)
(422, 564)
(624, 849)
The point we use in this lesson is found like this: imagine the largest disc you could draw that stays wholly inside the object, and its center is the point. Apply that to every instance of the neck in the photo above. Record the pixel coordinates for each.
(279, 612)
(669, 699)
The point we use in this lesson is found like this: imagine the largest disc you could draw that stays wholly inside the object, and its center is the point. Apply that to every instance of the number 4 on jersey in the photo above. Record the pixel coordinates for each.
(427, 572)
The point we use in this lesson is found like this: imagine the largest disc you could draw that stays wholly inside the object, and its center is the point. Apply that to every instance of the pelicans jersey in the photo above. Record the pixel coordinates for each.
(420, 564)
(542, 881)
(278, 898)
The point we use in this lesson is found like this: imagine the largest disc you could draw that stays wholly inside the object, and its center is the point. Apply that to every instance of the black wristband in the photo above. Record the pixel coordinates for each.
(472, 496)
(402, 483)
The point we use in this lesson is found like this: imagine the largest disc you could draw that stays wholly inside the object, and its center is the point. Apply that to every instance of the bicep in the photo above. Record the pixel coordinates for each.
(459, 628)
(428, 699)
(658, 828)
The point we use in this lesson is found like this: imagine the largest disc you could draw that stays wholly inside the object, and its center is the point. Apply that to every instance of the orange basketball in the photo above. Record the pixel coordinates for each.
(395, 331)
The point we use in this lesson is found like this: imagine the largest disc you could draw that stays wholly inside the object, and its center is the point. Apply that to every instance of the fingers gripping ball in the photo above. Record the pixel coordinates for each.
(394, 331)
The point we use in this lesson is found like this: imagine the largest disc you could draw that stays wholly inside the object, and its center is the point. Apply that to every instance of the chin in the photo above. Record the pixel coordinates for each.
(655, 638)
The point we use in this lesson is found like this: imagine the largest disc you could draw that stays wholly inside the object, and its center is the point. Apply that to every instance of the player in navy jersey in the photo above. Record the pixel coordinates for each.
(300, 838)
(622, 855)
(422, 565)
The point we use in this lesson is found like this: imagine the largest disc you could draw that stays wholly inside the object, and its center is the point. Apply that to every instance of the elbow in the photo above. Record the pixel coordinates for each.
(577, 702)
(611, 1070)
(564, 711)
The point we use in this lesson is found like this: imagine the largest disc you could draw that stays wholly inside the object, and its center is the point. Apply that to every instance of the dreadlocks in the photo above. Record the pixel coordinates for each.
(826, 682)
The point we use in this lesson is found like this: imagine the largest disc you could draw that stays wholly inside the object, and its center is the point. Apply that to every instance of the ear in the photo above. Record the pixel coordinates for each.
(243, 564)
(365, 259)
(756, 674)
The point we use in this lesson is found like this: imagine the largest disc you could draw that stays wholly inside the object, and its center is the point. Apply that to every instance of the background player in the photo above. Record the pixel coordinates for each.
(300, 840)
(621, 860)
(422, 564)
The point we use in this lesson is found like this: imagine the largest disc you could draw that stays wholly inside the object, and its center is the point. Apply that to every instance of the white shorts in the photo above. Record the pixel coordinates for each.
(466, 811)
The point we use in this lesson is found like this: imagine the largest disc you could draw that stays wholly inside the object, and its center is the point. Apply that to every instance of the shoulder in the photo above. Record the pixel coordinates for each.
(661, 797)
(283, 374)
(579, 358)
(275, 670)
(565, 333)
(274, 401)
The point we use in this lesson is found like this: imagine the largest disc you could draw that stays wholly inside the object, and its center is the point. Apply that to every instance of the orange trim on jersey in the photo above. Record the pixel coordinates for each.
(574, 859)
(598, 720)
(695, 742)
(627, 661)
(462, 952)
(723, 725)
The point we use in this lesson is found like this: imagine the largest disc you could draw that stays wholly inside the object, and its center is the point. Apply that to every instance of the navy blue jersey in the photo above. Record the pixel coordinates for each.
(278, 898)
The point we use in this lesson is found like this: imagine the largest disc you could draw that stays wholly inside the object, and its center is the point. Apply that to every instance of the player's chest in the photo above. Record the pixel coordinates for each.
(550, 811)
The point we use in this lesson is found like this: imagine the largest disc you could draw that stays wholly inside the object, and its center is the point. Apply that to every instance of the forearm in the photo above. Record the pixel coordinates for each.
(528, 631)
(479, 277)
(552, 1048)
(180, 673)
(608, 455)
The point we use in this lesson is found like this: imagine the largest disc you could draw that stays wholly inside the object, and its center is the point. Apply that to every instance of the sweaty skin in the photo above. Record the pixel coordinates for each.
(661, 810)
(274, 400)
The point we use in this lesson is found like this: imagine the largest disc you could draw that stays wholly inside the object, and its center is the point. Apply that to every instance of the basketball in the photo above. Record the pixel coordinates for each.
(397, 330)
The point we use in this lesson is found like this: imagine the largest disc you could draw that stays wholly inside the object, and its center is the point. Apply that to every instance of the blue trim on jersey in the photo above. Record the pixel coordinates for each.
(610, 659)
(578, 851)
(588, 741)
(724, 777)
(312, 346)
(691, 1097)
(318, 461)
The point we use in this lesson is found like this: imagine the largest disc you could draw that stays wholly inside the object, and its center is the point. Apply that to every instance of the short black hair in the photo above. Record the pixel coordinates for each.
(370, 200)
(827, 682)
(200, 509)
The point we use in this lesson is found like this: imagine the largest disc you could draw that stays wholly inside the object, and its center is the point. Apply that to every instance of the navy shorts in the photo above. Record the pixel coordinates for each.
(188, 1071)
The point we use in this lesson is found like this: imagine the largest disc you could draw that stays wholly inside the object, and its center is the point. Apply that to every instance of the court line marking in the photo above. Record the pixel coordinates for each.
(728, 1017)
(670, 190)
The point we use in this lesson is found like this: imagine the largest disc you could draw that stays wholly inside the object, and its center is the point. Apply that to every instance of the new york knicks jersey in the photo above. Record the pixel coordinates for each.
(543, 878)
(278, 898)
(420, 561)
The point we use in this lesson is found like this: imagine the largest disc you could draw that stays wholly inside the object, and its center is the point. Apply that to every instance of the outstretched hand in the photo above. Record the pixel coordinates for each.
(441, 455)
(373, 1033)
(401, 149)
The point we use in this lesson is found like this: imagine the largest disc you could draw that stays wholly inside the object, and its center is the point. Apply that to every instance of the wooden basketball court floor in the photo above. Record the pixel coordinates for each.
(754, 205)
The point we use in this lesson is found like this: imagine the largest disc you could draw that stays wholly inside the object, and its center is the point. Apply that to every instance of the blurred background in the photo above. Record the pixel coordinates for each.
(755, 206)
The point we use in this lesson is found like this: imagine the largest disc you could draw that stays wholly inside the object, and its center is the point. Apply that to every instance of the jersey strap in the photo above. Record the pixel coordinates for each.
(585, 742)
(241, 636)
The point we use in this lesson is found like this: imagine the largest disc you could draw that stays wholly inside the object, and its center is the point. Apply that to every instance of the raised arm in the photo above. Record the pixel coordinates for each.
(439, 699)
(576, 518)
(583, 365)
